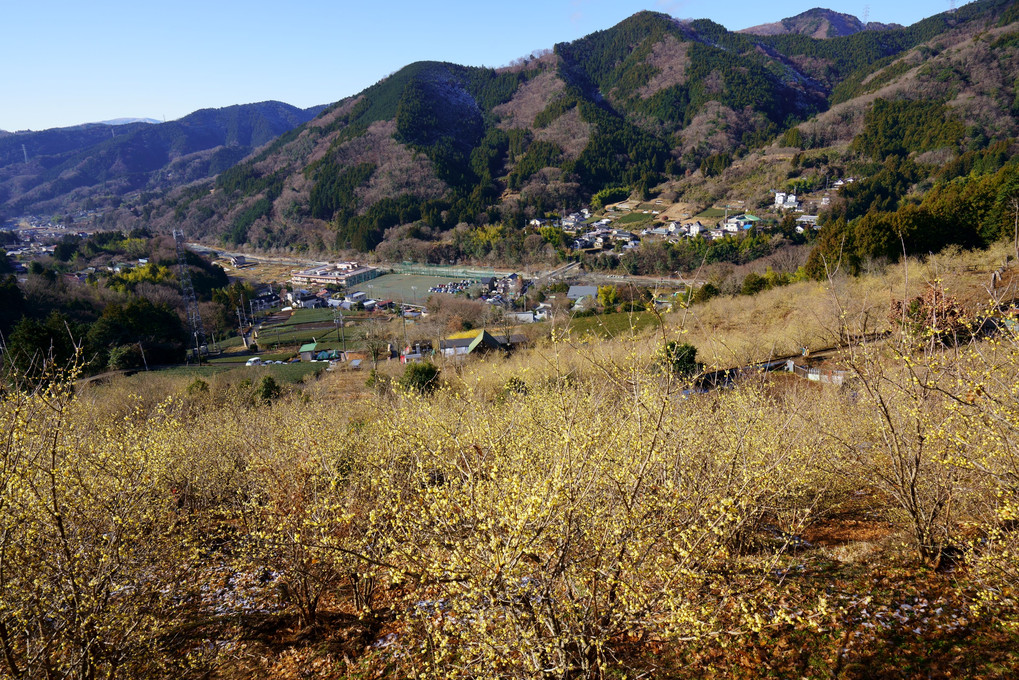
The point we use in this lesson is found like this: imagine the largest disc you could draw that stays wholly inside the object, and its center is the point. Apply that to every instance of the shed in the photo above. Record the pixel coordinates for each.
(307, 352)
(484, 341)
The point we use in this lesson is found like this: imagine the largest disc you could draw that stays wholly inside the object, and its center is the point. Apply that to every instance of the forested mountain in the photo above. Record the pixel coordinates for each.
(650, 102)
(68, 166)
(819, 23)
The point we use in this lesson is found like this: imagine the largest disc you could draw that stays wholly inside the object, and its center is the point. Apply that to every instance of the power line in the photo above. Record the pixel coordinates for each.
(187, 291)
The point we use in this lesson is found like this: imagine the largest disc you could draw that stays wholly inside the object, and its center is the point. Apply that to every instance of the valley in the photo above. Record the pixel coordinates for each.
(665, 351)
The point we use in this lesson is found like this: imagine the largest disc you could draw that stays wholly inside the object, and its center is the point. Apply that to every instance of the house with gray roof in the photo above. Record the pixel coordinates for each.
(579, 292)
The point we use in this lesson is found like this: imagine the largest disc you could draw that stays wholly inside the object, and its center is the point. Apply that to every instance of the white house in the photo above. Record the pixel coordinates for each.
(521, 317)
(661, 232)
(739, 223)
(357, 296)
(804, 222)
(786, 201)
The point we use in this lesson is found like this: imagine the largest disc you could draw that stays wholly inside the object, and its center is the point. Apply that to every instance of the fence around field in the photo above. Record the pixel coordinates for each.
(404, 288)
(440, 270)
(353, 332)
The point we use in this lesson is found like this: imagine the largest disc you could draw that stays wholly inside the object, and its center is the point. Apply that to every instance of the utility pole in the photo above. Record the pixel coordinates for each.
(340, 333)
(188, 293)
(142, 350)
(1015, 207)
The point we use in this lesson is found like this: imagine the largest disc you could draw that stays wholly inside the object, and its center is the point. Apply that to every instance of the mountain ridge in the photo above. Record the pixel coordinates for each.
(64, 164)
(819, 23)
(124, 121)
(437, 148)
(651, 100)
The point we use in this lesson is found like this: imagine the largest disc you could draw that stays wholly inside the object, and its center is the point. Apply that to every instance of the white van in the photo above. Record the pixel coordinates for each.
(254, 361)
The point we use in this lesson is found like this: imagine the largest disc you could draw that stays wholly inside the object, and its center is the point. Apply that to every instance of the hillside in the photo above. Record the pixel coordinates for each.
(582, 508)
(653, 104)
(819, 23)
(94, 163)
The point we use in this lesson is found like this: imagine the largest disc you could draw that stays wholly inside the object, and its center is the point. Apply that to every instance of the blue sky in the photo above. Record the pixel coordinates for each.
(67, 62)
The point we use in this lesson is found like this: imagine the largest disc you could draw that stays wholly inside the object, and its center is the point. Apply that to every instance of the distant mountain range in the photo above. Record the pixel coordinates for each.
(711, 114)
(67, 167)
(125, 121)
(819, 23)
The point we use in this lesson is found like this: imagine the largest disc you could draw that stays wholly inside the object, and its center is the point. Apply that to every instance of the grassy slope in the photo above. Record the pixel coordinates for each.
(885, 615)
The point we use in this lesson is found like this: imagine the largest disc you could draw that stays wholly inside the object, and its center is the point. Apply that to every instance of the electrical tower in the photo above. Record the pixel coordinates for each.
(187, 291)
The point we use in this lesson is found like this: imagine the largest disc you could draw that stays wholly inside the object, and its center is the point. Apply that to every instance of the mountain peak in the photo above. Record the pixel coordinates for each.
(818, 23)
(127, 121)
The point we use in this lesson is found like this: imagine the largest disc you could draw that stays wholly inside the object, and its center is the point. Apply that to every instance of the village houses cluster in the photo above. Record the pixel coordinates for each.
(603, 235)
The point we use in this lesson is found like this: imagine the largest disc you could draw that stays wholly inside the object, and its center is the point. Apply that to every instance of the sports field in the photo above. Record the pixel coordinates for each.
(412, 288)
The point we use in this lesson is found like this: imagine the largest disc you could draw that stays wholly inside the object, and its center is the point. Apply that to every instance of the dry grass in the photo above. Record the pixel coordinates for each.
(750, 179)
(731, 331)
(830, 548)
(677, 211)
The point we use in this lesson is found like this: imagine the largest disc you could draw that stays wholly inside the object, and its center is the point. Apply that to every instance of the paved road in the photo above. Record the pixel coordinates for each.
(647, 281)
(199, 248)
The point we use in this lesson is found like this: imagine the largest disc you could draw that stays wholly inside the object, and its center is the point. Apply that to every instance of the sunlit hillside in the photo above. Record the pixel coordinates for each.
(584, 508)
